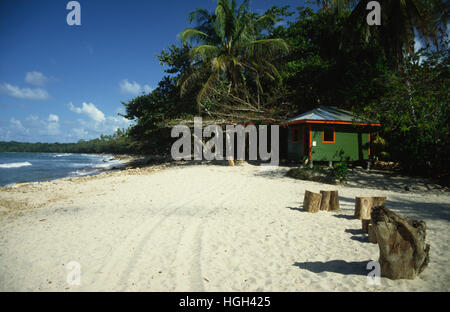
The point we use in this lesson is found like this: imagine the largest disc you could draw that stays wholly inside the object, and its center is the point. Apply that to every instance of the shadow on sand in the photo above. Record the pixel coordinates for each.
(335, 266)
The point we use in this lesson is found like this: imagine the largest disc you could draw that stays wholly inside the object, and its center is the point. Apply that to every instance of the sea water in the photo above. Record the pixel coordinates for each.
(32, 167)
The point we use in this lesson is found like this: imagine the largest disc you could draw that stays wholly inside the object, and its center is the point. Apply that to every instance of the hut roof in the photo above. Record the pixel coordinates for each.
(328, 114)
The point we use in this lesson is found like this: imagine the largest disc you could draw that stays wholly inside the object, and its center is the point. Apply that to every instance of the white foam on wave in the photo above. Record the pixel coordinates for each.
(109, 164)
(62, 155)
(80, 173)
(15, 165)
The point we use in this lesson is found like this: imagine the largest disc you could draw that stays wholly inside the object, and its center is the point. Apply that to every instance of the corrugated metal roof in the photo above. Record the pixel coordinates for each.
(326, 113)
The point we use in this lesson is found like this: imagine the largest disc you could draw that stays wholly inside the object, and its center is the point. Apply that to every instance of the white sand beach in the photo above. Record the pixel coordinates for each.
(206, 228)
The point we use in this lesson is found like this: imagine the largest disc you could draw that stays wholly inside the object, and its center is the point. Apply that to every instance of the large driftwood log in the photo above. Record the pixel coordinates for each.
(364, 205)
(330, 200)
(311, 201)
(403, 252)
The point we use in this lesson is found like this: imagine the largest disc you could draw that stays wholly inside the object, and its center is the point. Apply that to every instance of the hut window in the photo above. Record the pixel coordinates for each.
(295, 135)
(328, 135)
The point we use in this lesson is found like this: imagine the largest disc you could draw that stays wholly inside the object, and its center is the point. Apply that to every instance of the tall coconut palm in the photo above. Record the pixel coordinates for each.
(225, 46)
(401, 20)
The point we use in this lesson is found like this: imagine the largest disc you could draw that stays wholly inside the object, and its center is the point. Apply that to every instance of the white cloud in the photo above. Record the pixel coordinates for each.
(32, 128)
(53, 117)
(36, 78)
(24, 93)
(133, 88)
(147, 89)
(17, 127)
(86, 129)
(89, 110)
(52, 125)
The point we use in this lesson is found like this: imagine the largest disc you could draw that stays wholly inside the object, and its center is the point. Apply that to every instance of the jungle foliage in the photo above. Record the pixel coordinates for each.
(234, 65)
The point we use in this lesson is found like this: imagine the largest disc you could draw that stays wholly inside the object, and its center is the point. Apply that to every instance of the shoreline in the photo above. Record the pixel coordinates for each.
(123, 160)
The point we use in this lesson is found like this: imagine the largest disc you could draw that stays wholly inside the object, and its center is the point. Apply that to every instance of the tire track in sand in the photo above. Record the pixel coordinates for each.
(123, 255)
(120, 265)
(187, 263)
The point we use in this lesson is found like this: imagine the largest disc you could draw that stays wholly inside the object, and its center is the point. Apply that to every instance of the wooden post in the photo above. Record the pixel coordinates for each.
(403, 252)
(364, 205)
(311, 201)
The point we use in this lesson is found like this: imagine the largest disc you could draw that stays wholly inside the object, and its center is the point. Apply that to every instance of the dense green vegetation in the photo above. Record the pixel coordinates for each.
(334, 175)
(118, 143)
(234, 65)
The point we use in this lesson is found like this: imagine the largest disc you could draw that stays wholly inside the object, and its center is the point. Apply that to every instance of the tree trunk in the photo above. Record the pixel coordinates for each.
(330, 200)
(311, 201)
(364, 205)
(403, 252)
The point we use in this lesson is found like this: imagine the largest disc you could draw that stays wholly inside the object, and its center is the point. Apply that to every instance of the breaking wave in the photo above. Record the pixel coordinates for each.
(15, 165)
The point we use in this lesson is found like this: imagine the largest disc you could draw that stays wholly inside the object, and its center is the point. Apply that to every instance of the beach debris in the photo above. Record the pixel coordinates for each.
(311, 201)
(403, 251)
(364, 205)
(330, 200)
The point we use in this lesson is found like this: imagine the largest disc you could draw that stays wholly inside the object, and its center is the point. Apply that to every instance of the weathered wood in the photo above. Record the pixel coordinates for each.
(325, 202)
(403, 251)
(372, 234)
(364, 205)
(311, 201)
(334, 200)
(365, 225)
(330, 200)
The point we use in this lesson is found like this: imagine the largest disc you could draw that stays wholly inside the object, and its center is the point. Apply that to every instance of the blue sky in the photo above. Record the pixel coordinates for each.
(61, 83)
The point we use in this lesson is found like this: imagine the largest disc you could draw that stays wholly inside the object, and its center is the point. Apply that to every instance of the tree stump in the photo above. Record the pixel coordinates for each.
(334, 200)
(403, 252)
(325, 202)
(311, 201)
(365, 225)
(330, 200)
(364, 205)
(372, 234)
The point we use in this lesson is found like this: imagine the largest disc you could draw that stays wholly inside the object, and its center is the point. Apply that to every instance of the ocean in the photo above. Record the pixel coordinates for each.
(32, 167)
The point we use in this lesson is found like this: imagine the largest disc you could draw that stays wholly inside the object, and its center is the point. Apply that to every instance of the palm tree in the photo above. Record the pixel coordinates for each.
(228, 48)
(401, 20)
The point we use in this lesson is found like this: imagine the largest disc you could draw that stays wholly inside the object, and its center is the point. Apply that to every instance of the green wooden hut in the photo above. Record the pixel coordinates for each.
(329, 134)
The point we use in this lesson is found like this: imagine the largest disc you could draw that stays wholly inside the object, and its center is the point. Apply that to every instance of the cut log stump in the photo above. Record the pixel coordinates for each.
(403, 252)
(325, 202)
(311, 201)
(334, 200)
(365, 225)
(364, 205)
(330, 200)
(372, 234)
